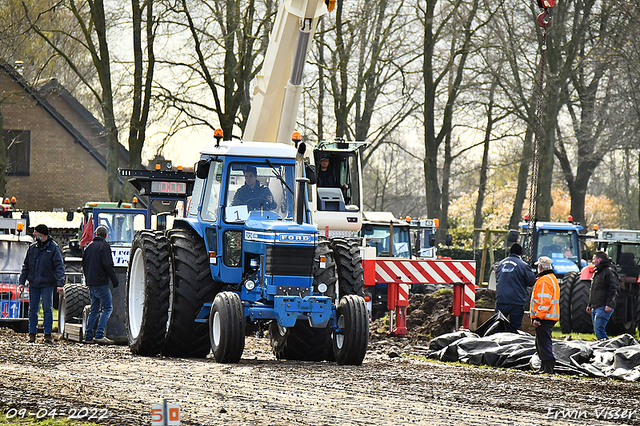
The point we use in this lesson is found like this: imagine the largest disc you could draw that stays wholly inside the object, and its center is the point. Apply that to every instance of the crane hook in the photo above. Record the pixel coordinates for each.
(544, 19)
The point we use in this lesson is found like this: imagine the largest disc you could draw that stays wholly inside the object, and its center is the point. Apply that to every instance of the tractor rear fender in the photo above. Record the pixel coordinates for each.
(587, 273)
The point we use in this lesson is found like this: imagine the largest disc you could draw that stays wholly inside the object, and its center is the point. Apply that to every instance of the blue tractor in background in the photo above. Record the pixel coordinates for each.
(562, 242)
(247, 259)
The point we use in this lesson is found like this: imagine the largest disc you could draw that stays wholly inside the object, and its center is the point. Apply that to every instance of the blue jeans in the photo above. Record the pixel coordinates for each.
(100, 295)
(35, 294)
(514, 312)
(600, 318)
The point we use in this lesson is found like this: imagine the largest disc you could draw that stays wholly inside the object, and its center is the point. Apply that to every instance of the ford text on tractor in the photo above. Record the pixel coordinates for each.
(14, 243)
(394, 268)
(623, 247)
(247, 258)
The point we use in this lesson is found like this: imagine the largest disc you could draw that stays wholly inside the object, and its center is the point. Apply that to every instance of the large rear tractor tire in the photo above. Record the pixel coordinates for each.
(72, 301)
(580, 318)
(147, 293)
(346, 253)
(566, 289)
(192, 287)
(350, 342)
(226, 327)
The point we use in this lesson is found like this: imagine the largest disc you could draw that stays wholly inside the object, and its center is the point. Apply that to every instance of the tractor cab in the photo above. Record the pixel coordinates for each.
(389, 236)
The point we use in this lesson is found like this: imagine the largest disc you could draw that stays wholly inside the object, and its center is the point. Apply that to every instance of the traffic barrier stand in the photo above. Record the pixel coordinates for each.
(397, 302)
(464, 296)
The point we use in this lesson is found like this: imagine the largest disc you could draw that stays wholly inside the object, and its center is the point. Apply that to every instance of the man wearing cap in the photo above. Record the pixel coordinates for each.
(326, 176)
(43, 267)
(253, 194)
(97, 265)
(513, 278)
(545, 312)
(605, 285)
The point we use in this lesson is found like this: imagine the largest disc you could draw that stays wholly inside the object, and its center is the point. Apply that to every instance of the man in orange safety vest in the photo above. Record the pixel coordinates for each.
(545, 311)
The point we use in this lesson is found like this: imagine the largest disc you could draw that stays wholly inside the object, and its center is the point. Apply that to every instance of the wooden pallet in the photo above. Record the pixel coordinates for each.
(73, 332)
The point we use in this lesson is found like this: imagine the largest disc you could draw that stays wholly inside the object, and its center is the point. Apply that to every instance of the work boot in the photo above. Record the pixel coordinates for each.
(104, 341)
(48, 339)
(32, 337)
(546, 367)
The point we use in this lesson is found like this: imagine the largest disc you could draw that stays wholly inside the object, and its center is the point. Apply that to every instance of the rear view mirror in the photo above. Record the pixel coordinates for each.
(202, 169)
(70, 215)
(513, 235)
(432, 240)
(448, 240)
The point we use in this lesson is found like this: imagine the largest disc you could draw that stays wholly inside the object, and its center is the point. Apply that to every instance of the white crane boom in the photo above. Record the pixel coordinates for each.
(274, 107)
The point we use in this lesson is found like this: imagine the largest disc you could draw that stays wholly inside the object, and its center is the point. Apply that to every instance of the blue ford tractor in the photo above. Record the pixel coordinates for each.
(247, 259)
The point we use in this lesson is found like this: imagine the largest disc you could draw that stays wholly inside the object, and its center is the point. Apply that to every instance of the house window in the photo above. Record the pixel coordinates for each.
(18, 143)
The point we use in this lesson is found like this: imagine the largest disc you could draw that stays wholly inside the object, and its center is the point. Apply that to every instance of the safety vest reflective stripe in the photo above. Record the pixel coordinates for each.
(544, 308)
(547, 295)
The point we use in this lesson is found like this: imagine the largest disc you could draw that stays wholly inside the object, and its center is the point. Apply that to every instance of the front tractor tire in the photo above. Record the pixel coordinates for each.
(580, 319)
(191, 288)
(226, 327)
(147, 301)
(351, 340)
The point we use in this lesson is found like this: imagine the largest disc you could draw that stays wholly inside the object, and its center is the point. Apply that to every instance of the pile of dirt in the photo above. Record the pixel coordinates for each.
(428, 316)
(485, 298)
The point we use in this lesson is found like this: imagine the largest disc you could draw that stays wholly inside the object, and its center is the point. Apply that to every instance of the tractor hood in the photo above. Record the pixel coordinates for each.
(269, 226)
(561, 266)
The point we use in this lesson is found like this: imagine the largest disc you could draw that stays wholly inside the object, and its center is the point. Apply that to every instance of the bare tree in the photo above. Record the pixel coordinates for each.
(90, 17)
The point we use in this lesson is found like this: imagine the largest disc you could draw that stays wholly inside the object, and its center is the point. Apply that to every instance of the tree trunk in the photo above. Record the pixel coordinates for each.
(443, 230)
(113, 145)
(482, 184)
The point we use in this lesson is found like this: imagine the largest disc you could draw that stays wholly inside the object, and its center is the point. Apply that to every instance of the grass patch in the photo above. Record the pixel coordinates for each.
(17, 419)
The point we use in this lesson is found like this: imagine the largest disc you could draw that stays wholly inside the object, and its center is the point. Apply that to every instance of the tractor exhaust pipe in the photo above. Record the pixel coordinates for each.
(300, 201)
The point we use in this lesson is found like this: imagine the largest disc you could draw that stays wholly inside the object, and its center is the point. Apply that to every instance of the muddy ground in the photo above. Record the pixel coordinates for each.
(390, 388)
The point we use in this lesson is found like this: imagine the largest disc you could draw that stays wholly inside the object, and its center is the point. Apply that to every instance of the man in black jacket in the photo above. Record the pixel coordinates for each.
(98, 268)
(43, 267)
(513, 277)
(605, 285)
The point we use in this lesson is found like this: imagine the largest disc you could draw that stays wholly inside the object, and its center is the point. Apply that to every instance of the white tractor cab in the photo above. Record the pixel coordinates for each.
(423, 235)
(14, 243)
(338, 208)
(623, 247)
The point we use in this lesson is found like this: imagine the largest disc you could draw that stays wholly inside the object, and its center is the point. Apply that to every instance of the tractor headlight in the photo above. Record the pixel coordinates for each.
(322, 287)
(253, 263)
(249, 285)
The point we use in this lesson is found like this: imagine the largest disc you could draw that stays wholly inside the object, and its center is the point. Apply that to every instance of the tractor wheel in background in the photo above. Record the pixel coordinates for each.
(350, 343)
(623, 319)
(303, 342)
(72, 301)
(346, 253)
(566, 288)
(580, 318)
(192, 286)
(300, 342)
(147, 292)
(226, 327)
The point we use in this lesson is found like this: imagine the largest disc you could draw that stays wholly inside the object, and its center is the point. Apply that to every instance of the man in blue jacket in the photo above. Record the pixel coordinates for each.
(513, 276)
(97, 265)
(43, 267)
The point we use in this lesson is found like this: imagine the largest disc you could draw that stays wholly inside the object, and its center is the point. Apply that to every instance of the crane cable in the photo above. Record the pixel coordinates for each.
(543, 20)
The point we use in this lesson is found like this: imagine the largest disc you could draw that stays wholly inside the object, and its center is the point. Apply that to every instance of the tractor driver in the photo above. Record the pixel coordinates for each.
(253, 194)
